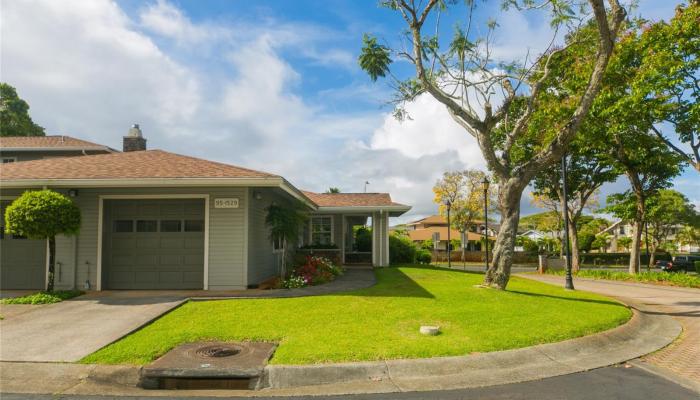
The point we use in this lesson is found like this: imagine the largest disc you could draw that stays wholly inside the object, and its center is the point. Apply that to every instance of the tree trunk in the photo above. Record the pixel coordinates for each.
(636, 246)
(52, 263)
(652, 253)
(575, 258)
(498, 273)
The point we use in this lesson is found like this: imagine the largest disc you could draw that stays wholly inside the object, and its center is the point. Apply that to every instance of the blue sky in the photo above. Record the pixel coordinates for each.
(271, 85)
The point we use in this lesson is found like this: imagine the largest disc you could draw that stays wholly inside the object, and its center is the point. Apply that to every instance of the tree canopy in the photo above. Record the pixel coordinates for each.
(14, 114)
(43, 214)
(517, 136)
(668, 80)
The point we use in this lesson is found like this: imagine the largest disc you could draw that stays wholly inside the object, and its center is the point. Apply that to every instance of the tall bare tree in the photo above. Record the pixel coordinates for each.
(463, 75)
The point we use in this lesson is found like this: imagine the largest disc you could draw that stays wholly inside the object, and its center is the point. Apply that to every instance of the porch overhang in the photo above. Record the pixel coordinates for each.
(393, 210)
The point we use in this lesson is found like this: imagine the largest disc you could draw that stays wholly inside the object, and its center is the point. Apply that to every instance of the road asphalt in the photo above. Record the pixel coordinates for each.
(616, 382)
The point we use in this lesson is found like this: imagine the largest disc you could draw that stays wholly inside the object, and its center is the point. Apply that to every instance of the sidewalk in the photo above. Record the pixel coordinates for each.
(682, 357)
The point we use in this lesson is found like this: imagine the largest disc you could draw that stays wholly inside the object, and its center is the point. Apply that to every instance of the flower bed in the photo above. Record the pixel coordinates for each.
(312, 271)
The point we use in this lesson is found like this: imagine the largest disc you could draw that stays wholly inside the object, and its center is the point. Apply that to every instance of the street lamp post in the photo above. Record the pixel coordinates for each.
(646, 233)
(448, 205)
(485, 186)
(569, 279)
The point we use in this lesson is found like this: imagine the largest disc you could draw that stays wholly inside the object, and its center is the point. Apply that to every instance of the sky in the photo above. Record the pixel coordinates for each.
(271, 85)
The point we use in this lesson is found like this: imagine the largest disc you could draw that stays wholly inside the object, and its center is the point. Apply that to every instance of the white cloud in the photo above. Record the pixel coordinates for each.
(167, 20)
(84, 70)
(429, 131)
(89, 70)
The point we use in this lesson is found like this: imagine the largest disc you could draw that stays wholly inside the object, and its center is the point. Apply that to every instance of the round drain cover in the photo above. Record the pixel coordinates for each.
(217, 351)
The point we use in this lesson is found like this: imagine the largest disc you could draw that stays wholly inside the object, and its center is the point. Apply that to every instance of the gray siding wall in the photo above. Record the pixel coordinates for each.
(263, 263)
(227, 237)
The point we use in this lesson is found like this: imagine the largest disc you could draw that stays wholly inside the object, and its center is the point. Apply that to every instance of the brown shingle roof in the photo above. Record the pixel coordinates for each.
(436, 220)
(351, 199)
(136, 165)
(43, 142)
(420, 235)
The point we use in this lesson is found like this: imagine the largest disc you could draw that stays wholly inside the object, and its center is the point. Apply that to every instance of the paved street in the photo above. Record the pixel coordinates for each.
(606, 383)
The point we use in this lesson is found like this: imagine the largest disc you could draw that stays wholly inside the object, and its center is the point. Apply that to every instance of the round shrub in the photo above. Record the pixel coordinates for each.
(401, 250)
(423, 257)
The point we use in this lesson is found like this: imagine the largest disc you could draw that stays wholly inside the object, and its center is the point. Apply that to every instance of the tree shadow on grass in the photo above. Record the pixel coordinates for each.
(551, 296)
(394, 283)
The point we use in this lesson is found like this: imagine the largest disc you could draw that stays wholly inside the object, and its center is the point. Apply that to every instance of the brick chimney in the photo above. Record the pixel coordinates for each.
(134, 140)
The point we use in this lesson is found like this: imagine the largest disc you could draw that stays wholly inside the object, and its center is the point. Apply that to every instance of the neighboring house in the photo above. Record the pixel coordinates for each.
(625, 229)
(14, 148)
(535, 236)
(424, 229)
(157, 220)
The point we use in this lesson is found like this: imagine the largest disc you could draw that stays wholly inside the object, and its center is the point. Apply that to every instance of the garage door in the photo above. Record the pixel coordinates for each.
(22, 261)
(154, 244)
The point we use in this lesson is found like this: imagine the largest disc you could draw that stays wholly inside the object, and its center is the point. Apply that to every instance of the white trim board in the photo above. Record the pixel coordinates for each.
(100, 217)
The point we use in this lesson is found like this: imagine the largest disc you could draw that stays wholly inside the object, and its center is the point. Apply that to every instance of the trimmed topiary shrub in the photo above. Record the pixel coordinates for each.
(43, 214)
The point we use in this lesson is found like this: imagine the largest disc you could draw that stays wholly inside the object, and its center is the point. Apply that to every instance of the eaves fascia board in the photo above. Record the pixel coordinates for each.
(349, 209)
(162, 182)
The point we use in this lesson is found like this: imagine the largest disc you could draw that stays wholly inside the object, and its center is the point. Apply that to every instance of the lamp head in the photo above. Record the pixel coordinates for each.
(485, 184)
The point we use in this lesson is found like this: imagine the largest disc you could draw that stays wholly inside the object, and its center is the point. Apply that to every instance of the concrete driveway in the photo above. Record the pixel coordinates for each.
(70, 330)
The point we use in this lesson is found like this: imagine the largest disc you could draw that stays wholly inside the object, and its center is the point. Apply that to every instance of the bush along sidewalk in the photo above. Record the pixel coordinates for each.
(659, 278)
(44, 297)
(312, 271)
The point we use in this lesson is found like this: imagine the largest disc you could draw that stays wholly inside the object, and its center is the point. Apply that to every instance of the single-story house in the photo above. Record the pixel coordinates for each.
(152, 219)
(426, 229)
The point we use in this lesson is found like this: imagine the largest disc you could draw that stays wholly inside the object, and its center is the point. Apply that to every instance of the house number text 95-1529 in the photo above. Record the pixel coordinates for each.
(226, 203)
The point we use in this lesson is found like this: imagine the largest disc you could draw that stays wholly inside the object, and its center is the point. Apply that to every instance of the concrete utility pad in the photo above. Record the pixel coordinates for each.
(72, 329)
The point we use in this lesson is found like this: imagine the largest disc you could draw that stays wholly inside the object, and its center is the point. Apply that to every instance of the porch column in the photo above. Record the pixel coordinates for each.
(380, 239)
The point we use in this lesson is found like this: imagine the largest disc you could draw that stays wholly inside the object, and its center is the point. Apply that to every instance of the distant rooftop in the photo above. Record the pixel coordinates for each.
(54, 142)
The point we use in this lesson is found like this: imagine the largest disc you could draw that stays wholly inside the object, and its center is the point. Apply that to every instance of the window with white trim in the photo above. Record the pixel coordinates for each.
(322, 230)
(278, 245)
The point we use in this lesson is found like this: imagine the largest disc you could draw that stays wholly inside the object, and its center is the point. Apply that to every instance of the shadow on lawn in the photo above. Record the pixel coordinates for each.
(394, 283)
(551, 296)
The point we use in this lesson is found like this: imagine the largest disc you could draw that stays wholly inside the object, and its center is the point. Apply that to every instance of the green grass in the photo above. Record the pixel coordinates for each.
(382, 322)
(659, 278)
(43, 297)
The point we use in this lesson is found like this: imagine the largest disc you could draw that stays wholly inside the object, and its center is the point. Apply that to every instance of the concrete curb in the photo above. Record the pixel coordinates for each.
(643, 334)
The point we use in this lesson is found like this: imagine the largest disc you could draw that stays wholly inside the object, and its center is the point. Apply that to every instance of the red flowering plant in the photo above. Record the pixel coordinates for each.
(316, 270)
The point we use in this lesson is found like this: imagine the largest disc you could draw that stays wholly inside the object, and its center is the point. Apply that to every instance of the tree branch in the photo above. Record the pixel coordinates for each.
(607, 32)
(694, 162)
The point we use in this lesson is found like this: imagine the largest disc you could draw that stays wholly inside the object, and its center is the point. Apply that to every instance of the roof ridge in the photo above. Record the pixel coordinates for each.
(214, 162)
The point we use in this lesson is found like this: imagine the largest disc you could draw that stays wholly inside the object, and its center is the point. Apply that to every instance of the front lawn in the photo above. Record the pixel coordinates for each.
(43, 297)
(653, 277)
(382, 322)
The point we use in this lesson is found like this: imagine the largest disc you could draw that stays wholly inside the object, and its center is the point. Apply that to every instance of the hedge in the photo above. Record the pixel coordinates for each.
(401, 250)
(618, 258)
